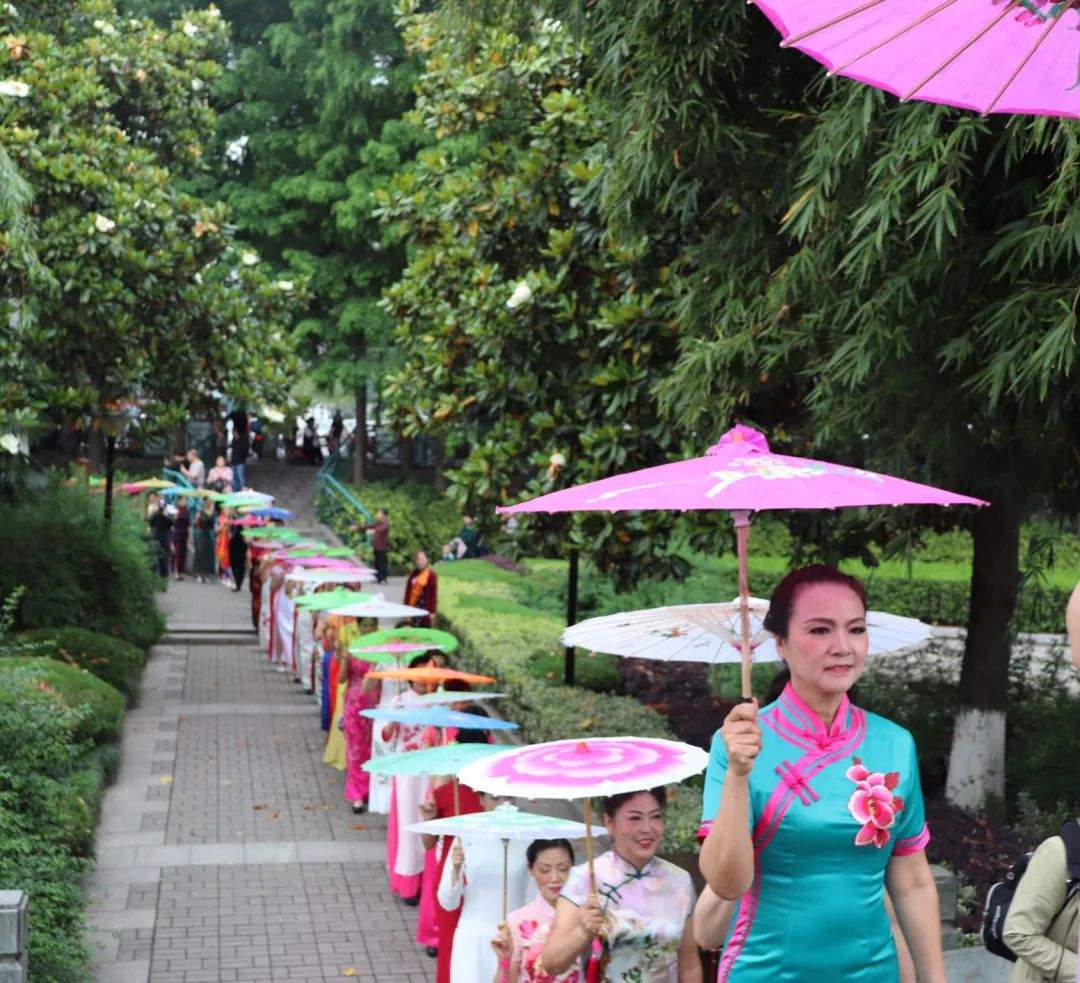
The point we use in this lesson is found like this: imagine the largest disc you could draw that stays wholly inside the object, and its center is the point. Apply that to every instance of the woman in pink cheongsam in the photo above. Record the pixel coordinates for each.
(523, 934)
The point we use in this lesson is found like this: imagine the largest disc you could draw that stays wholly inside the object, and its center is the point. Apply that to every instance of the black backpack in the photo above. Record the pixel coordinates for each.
(999, 897)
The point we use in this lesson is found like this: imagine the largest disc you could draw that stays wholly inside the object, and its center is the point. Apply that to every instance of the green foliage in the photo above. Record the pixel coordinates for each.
(514, 290)
(46, 827)
(117, 662)
(310, 129)
(503, 639)
(75, 572)
(420, 518)
(98, 708)
(31, 862)
(148, 293)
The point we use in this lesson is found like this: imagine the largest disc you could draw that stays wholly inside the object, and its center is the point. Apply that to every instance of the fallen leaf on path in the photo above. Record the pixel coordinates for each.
(358, 826)
(275, 815)
(166, 779)
(348, 971)
(261, 805)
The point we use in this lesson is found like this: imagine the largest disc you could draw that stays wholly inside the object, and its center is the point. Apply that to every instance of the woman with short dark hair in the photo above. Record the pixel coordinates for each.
(639, 910)
(812, 805)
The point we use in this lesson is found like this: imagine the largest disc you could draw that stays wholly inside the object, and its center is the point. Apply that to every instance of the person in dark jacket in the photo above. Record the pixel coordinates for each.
(160, 523)
(237, 557)
(380, 544)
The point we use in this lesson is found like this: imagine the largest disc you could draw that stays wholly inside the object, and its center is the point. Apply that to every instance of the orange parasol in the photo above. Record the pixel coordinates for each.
(429, 674)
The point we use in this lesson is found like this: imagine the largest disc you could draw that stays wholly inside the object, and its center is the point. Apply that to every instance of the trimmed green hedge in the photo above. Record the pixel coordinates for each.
(118, 663)
(506, 640)
(420, 518)
(97, 707)
(46, 819)
(54, 543)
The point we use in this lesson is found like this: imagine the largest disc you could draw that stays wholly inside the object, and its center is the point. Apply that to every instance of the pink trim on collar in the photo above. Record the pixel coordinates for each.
(798, 706)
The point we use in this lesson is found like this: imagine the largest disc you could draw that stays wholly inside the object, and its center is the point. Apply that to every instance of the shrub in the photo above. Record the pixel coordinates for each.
(50, 792)
(97, 708)
(31, 862)
(503, 639)
(117, 662)
(420, 518)
(54, 543)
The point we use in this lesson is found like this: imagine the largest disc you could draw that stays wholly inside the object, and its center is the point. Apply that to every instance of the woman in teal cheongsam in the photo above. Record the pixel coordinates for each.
(812, 805)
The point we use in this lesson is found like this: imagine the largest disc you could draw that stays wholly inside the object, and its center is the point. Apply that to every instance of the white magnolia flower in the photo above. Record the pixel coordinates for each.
(14, 88)
(213, 11)
(103, 224)
(284, 285)
(249, 258)
(197, 278)
(24, 446)
(10, 443)
(190, 29)
(197, 85)
(104, 27)
(522, 295)
(11, 10)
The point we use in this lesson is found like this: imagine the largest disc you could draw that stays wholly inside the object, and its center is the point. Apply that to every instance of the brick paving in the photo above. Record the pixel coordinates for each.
(225, 849)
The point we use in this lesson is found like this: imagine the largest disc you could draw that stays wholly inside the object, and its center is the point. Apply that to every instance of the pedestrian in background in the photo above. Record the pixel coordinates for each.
(1044, 916)
(179, 540)
(241, 447)
(380, 544)
(193, 469)
(205, 521)
(422, 590)
(220, 478)
(160, 523)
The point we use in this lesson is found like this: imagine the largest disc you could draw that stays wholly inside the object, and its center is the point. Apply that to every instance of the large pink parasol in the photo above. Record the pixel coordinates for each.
(580, 769)
(990, 56)
(740, 474)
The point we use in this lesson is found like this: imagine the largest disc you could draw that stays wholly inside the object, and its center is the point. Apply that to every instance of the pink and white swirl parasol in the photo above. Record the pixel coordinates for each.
(579, 769)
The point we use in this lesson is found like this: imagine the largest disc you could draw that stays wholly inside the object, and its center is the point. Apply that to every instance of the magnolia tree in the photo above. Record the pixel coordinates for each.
(527, 336)
(142, 289)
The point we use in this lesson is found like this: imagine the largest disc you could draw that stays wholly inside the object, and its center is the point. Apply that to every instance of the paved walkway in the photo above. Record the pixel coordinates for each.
(225, 850)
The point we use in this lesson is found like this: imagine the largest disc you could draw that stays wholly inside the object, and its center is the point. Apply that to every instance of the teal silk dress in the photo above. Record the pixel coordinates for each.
(828, 809)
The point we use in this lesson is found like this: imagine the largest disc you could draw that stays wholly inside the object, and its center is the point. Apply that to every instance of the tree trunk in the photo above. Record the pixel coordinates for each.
(406, 454)
(976, 775)
(95, 447)
(438, 453)
(359, 457)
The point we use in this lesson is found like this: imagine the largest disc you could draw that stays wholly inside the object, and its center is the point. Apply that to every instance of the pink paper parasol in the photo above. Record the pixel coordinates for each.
(580, 769)
(990, 56)
(740, 474)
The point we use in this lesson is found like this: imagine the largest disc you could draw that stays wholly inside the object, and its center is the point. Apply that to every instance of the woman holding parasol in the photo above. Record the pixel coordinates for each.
(812, 805)
(640, 905)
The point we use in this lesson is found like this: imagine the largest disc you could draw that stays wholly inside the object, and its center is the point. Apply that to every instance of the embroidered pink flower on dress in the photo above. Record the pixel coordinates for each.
(527, 927)
(873, 803)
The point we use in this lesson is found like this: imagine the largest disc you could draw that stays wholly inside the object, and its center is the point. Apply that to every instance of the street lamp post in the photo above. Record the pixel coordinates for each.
(113, 421)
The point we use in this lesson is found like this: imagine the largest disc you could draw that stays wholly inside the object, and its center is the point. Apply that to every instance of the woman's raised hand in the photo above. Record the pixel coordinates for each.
(591, 915)
(742, 738)
(457, 856)
(501, 943)
(428, 810)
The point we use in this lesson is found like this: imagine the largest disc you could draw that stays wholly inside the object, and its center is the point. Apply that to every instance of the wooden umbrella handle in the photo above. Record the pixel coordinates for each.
(589, 844)
(742, 534)
(506, 875)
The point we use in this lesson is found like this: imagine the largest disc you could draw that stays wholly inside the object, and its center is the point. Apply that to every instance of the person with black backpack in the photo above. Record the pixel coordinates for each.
(1034, 915)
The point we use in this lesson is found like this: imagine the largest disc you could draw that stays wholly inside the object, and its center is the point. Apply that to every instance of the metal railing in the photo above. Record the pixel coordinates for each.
(327, 483)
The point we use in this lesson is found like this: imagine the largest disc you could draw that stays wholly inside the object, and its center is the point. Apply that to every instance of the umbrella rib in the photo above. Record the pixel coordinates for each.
(796, 38)
(1031, 54)
(956, 54)
(889, 40)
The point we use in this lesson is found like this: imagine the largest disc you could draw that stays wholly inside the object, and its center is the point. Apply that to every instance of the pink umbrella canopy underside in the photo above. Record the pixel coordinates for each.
(983, 55)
